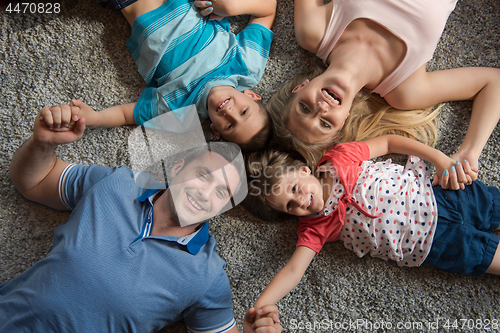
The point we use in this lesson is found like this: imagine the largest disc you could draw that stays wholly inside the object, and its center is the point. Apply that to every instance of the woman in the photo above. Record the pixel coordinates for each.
(381, 46)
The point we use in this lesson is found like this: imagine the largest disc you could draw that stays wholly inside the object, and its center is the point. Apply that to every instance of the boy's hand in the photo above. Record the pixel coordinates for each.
(60, 118)
(91, 116)
(263, 320)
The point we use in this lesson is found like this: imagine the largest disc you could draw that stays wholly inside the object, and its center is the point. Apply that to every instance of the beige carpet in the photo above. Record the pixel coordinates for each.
(46, 59)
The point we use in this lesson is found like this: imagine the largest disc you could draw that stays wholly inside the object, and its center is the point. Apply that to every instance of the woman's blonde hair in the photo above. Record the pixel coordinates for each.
(370, 116)
(264, 171)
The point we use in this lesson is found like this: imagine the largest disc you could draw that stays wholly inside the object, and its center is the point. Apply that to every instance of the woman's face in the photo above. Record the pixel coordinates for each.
(319, 109)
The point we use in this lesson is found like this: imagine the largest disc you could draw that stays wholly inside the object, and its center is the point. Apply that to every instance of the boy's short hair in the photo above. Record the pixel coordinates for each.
(262, 138)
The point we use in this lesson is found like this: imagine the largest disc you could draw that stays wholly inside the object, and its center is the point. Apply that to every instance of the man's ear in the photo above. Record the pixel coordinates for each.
(217, 134)
(178, 167)
(252, 94)
(300, 86)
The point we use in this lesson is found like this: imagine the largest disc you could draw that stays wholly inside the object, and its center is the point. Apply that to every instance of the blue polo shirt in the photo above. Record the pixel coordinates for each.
(106, 273)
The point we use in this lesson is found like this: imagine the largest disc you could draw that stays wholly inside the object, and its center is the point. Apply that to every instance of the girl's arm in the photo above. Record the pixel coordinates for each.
(287, 278)
(480, 84)
(395, 144)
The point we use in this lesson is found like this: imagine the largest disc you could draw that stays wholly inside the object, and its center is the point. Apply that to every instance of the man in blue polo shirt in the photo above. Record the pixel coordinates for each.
(122, 262)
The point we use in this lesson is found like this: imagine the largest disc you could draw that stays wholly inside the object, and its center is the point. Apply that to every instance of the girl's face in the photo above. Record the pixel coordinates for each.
(298, 193)
(319, 109)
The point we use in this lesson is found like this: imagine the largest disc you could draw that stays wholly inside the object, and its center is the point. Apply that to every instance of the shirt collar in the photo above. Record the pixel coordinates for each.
(194, 241)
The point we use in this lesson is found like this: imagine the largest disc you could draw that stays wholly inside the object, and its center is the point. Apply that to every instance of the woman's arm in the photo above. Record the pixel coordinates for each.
(480, 84)
(287, 278)
(395, 144)
(262, 11)
(311, 17)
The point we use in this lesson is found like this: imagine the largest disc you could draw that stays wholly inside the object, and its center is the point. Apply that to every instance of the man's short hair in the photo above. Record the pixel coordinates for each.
(228, 150)
(231, 152)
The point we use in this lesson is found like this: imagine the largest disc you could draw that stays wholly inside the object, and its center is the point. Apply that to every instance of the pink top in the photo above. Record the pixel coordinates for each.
(418, 23)
(380, 208)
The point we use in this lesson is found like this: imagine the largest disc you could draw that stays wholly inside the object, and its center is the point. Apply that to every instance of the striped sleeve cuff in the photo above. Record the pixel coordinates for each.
(62, 186)
(222, 329)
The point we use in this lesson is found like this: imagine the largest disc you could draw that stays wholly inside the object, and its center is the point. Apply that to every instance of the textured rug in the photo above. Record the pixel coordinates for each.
(45, 59)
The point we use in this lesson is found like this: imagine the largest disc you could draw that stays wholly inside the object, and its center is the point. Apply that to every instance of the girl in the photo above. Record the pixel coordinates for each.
(387, 210)
(382, 46)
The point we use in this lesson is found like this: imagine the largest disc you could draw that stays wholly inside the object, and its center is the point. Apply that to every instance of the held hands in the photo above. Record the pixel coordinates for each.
(63, 118)
(456, 176)
(472, 157)
(57, 125)
(207, 7)
(264, 320)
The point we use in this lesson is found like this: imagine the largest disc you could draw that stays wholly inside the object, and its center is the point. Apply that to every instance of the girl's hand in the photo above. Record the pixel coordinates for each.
(456, 176)
(262, 320)
(204, 7)
(472, 162)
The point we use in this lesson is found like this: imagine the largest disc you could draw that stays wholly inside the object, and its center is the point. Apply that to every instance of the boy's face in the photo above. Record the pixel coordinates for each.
(235, 115)
(298, 193)
(200, 189)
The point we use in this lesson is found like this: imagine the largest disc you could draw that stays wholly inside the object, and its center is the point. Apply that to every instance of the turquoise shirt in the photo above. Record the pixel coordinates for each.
(182, 55)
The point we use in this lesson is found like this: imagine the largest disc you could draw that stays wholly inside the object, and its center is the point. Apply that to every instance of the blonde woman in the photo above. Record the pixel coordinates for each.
(381, 46)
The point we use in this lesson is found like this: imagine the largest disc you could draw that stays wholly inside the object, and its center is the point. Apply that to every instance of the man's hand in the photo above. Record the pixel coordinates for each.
(35, 170)
(57, 125)
(64, 117)
(60, 118)
(264, 320)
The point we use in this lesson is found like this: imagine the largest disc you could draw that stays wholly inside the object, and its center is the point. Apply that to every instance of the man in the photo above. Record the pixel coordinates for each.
(122, 262)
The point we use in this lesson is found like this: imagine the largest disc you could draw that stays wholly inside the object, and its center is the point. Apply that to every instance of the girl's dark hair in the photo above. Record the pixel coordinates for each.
(264, 170)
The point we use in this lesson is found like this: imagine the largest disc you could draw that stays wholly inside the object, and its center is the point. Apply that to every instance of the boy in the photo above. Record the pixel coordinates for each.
(187, 59)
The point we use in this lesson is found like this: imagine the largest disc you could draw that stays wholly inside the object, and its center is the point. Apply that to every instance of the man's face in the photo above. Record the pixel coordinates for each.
(200, 189)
